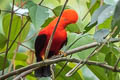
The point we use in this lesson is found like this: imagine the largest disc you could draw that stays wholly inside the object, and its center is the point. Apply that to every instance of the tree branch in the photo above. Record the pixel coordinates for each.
(87, 46)
(51, 61)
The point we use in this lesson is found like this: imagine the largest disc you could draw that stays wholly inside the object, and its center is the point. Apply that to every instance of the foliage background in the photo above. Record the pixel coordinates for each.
(97, 18)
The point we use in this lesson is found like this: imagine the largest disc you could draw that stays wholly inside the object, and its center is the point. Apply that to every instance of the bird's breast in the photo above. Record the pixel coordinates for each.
(58, 40)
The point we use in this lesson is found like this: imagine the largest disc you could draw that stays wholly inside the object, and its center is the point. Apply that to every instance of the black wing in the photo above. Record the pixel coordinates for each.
(39, 45)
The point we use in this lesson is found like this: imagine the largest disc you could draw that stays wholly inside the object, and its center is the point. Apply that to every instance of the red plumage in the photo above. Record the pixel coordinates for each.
(69, 16)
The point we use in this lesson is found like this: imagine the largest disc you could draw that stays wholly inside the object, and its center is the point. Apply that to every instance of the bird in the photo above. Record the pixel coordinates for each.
(69, 16)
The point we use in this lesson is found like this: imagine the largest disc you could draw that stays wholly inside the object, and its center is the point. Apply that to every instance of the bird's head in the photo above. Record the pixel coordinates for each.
(70, 15)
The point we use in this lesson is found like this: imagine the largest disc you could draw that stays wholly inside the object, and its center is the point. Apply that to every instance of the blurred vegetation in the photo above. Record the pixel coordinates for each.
(97, 18)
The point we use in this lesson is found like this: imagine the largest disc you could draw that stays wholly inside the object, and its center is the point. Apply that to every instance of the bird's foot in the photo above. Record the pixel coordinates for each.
(61, 52)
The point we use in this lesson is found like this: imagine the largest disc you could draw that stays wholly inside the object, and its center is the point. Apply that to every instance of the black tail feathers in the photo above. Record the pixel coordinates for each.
(43, 71)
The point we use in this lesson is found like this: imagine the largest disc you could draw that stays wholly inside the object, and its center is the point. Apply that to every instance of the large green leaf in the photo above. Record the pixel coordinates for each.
(38, 14)
(98, 71)
(116, 19)
(96, 14)
(105, 14)
(3, 41)
(17, 24)
(82, 41)
(77, 76)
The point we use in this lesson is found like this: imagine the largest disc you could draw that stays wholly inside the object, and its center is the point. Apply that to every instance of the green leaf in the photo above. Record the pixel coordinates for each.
(111, 2)
(82, 41)
(96, 14)
(111, 60)
(25, 31)
(110, 47)
(89, 27)
(77, 76)
(116, 19)
(58, 9)
(73, 28)
(2, 62)
(47, 22)
(101, 34)
(94, 4)
(38, 15)
(106, 24)
(105, 14)
(0, 11)
(98, 71)
(29, 4)
(3, 41)
(19, 56)
(19, 64)
(17, 23)
(31, 77)
(59, 1)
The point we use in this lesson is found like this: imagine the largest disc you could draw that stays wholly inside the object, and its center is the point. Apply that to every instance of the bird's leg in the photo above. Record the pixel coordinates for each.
(62, 52)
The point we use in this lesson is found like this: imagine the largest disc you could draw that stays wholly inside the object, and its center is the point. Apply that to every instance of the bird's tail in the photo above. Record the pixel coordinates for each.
(43, 71)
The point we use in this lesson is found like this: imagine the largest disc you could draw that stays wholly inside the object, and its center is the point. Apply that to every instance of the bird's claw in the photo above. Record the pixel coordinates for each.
(61, 52)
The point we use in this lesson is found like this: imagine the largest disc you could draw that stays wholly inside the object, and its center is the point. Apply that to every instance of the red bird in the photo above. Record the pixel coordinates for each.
(69, 16)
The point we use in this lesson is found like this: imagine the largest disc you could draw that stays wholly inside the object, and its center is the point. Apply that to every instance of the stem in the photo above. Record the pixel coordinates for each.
(10, 26)
(51, 37)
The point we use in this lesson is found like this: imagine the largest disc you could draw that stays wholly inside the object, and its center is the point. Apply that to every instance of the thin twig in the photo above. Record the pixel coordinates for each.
(14, 55)
(41, 2)
(116, 64)
(101, 2)
(23, 46)
(88, 11)
(51, 37)
(24, 74)
(9, 32)
(12, 62)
